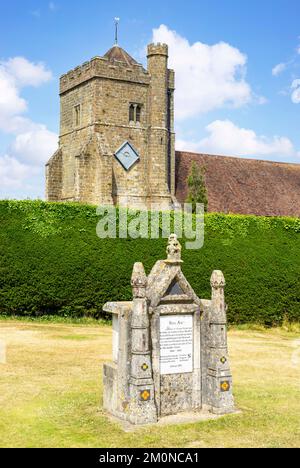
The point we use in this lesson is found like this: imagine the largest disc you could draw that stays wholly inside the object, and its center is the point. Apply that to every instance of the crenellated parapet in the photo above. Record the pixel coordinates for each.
(157, 49)
(101, 67)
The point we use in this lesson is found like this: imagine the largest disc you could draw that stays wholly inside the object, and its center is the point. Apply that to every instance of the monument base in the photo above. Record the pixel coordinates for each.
(180, 418)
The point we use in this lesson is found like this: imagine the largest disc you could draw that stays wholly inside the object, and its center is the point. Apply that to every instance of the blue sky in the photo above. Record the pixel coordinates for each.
(237, 65)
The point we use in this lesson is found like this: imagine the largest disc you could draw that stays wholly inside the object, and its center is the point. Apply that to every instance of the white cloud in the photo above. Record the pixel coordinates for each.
(16, 124)
(278, 69)
(19, 180)
(33, 143)
(15, 74)
(207, 77)
(295, 96)
(189, 145)
(26, 73)
(292, 62)
(224, 137)
(12, 172)
(35, 146)
(10, 101)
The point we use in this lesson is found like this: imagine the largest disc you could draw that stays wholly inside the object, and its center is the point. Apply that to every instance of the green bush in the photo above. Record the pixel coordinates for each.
(52, 262)
(197, 192)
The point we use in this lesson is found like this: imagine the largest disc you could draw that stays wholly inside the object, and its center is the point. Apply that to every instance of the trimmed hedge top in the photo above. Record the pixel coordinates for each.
(52, 262)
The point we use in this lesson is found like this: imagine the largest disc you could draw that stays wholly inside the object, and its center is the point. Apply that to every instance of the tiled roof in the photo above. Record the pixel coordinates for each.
(246, 186)
(116, 53)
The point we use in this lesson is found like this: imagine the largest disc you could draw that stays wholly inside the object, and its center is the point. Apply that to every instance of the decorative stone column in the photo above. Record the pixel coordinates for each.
(218, 375)
(142, 409)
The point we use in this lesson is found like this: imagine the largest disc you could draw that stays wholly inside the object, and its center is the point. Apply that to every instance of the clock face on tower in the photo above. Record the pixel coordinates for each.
(127, 155)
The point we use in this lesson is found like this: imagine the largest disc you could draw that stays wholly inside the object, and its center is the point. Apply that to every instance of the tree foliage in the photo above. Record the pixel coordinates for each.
(197, 191)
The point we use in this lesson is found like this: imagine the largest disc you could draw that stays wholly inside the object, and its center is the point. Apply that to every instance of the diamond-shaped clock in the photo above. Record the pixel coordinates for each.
(127, 155)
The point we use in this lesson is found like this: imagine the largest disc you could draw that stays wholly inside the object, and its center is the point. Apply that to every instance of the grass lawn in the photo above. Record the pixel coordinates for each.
(51, 388)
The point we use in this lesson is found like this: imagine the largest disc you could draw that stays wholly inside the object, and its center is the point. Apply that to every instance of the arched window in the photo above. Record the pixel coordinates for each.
(138, 113)
(77, 115)
(135, 112)
(131, 113)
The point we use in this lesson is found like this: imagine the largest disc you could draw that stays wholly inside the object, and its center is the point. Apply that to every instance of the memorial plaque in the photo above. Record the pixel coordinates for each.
(176, 344)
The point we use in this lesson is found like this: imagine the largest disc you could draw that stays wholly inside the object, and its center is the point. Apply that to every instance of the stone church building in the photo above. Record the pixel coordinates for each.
(117, 141)
(117, 145)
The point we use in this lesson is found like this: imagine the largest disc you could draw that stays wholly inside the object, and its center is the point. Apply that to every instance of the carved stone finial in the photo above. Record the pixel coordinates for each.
(139, 281)
(217, 280)
(174, 250)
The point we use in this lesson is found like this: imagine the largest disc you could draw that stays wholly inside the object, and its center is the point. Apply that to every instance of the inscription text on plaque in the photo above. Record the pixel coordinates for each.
(176, 344)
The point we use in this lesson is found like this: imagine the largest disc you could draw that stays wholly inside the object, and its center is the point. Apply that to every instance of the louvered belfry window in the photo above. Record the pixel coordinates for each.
(135, 111)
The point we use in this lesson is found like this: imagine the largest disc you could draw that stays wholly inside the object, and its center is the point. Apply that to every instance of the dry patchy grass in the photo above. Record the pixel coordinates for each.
(51, 386)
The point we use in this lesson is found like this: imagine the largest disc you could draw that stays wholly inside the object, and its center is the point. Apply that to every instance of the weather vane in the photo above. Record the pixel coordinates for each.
(117, 20)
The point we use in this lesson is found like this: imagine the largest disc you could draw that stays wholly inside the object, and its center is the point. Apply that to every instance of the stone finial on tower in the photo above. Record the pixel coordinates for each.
(138, 281)
(173, 250)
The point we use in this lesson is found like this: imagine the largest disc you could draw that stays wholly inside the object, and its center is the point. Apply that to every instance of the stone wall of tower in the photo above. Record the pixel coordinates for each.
(113, 98)
(73, 137)
(158, 121)
(54, 170)
(171, 155)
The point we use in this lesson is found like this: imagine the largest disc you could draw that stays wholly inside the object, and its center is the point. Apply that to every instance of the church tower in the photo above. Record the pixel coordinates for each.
(117, 140)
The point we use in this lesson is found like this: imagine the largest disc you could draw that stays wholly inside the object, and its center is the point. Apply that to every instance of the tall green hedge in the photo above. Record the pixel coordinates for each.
(52, 262)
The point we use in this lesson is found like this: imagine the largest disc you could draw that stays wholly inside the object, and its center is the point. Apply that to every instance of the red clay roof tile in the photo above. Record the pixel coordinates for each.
(245, 186)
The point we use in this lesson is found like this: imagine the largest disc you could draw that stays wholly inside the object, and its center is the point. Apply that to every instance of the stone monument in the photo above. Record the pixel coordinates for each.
(170, 351)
